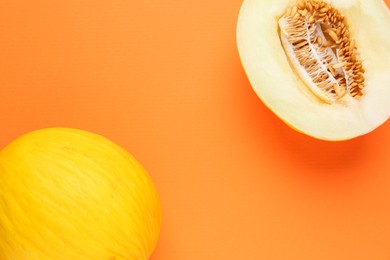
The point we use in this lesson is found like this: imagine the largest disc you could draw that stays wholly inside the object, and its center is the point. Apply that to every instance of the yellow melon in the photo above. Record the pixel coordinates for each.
(323, 67)
(71, 194)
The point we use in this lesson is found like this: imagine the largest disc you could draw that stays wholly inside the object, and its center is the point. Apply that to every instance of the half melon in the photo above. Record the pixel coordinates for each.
(322, 67)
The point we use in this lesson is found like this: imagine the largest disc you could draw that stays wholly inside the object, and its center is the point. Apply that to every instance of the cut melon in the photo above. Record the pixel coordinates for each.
(322, 67)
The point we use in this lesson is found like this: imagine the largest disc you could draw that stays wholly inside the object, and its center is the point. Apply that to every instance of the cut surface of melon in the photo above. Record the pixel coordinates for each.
(322, 67)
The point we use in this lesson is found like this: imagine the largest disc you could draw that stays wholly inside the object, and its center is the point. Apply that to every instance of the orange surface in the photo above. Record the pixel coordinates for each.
(163, 79)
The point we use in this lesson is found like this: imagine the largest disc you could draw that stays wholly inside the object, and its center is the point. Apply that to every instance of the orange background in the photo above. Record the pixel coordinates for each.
(164, 80)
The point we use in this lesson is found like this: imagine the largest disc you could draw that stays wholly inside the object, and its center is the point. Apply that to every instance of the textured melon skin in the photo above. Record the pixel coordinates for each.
(71, 194)
(278, 86)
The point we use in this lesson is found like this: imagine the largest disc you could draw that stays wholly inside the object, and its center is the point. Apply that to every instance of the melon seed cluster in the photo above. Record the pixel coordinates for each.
(317, 41)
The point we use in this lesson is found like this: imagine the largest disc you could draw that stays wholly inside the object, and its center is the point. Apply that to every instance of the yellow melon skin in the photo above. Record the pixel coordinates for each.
(71, 194)
(280, 88)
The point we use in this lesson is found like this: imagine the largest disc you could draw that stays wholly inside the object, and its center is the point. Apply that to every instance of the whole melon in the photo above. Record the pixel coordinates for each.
(71, 194)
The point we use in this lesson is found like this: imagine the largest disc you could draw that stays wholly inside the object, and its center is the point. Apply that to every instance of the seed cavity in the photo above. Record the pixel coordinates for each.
(316, 39)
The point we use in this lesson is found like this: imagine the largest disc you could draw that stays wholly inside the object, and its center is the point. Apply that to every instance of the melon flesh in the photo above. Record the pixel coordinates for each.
(279, 86)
